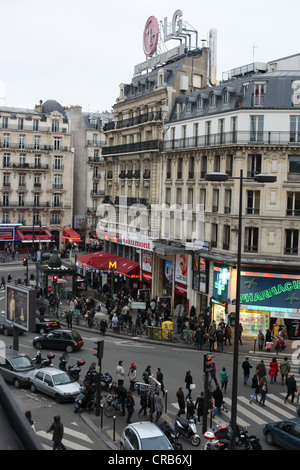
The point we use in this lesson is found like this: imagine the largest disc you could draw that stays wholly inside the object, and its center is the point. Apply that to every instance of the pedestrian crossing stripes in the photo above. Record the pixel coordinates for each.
(85, 442)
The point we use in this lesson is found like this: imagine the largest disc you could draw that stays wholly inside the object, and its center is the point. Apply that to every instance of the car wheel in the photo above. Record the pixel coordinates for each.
(17, 383)
(38, 345)
(69, 349)
(32, 388)
(269, 439)
(58, 398)
(5, 332)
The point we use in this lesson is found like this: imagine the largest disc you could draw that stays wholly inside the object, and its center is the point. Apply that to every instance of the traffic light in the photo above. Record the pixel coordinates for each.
(99, 349)
(55, 280)
(25, 262)
(207, 362)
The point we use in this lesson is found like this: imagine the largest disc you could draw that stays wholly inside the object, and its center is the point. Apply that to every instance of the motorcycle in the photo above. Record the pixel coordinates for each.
(172, 434)
(74, 370)
(40, 362)
(221, 439)
(92, 375)
(86, 398)
(188, 430)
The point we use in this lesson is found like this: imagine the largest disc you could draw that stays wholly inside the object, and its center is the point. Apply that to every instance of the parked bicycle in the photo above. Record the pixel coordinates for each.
(112, 407)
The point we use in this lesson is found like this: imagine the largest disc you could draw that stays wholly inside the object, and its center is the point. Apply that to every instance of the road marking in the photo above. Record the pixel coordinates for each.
(67, 443)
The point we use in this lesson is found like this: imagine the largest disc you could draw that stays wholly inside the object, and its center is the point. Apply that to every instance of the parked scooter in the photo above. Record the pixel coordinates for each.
(221, 439)
(169, 429)
(188, 430)
(86, 399)
(74, 370)
(40, 362)
(92, 374)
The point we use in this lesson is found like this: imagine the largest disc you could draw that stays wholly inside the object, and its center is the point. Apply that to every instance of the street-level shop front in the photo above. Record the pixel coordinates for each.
(270, 300)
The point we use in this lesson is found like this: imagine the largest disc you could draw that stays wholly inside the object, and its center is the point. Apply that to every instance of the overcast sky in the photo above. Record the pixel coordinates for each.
(78, 52)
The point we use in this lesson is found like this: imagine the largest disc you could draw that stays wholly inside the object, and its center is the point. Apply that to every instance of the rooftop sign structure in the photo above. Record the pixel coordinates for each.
(154, 37)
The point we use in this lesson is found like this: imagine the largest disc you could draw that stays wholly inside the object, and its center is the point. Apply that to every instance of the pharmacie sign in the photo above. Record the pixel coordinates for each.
(271, 291)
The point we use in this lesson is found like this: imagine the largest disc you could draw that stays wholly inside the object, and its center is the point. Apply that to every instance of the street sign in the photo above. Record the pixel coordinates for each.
(139, 305)
(147, 387)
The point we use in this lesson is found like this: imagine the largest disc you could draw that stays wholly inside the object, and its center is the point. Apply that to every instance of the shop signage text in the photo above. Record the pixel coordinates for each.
(142, 243)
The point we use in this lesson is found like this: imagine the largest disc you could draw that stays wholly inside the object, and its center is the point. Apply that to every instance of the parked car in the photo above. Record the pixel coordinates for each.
(6, 327)
(66, 340)
(284, 433)
(44, 325)
(15, 368)
(55, 383)
(144, 436)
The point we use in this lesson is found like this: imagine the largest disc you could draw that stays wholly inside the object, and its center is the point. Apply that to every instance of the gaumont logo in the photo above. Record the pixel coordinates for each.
(137, 243)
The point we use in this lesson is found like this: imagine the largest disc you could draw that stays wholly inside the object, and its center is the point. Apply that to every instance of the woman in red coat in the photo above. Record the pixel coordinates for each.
(274, 369)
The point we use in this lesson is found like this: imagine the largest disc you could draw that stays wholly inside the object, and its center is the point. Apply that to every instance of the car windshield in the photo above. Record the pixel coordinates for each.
(156, 443)
(62, 379)
(21, 362)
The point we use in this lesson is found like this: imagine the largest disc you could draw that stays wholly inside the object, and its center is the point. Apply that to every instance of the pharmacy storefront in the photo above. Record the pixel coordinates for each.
(270, 300)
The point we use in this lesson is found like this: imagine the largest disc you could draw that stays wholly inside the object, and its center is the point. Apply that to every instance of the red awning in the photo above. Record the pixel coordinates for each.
(108, 262)
(40, 235)
(71, 235)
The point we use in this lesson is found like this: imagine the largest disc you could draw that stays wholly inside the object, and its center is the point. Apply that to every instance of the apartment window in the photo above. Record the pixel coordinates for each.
(6, 160)
(291, 242)
(226, 96)
(21, 219)
(251, 239)
(6, 179)
(217, 163)
(200, 102)
(169, 168)
(21, 199)
(36, 199)
(202, 199)
(259, 94)
(36, 218)
(178, 196)
(6, 140)
(226, 237)
(253, 202)
(35, 124)
(5, 217)
(96, 154)
(57, 200)
(215, 207)
(22, 160)
(221, 126)
(168, 196)
(57, 143)
(190, 197)
(21, 141)
(55, 125)
(293, 204)
(5, 122)
(183, 136)
(256, 128)
(37, 161)
(95, 139)
(195, 133)
(207, 132)
(254, 165)
(58, 163)
(37, 181)
(179, 168)
(203, 166)
(57, 181)
(37, 142)
(213, 100)
(5, 199)
(233, 129)
(229, 164)
(22, 180)
(55, 219)
(214, 235)
(173, 133)
(20, 124)
(191, 168)
(227, 201)
(295, 129)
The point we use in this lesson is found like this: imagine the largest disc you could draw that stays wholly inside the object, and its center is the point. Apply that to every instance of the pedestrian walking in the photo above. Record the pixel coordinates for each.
(220, 339)
(29, 418)
(255, 386)
(160, 379)
(261, 369)
(146, 374)
(129, 404)
(246, 366)
(158, 405)
(260, 340)
(132, 374)
(224, 379)
(199, 405)
(188, 380)
(227, 335)
(284, 369)
(143, 402)
(274, 369)
(218, 397)
(241, 329)
(291, 388)
(213, 374)
(263, 385)
(181, 401)
(120, 373)
(58, 433)
(3, 282)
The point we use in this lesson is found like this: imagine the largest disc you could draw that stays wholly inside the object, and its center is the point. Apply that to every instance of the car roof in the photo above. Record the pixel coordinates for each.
(146, 430)
(51, 371)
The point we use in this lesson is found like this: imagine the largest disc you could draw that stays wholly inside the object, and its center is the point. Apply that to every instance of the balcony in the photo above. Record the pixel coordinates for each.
(149, 145)
(98, 193)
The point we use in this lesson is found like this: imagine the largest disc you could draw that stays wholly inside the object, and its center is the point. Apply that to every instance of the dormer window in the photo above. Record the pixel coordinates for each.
(200, 102)
(213, 100)
(226, 96)
(259, 94)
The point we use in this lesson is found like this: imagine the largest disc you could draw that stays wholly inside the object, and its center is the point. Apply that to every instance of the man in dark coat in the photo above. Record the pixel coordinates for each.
(218, 396)
(58, 433)
(291, 388)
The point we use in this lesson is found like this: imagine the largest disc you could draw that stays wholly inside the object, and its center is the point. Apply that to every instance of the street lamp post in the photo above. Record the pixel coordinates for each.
(260, 178)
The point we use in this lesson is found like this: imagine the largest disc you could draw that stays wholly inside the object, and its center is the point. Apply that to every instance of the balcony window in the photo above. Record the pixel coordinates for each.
(253, 202)
(293, 204)
(254, 165)
(295, 129)
(259, 94)
(251, 240)
(256, 128)
(291, 242)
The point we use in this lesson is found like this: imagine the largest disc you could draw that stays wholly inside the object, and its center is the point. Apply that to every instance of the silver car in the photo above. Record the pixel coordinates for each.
(144, 436)
(55, 383)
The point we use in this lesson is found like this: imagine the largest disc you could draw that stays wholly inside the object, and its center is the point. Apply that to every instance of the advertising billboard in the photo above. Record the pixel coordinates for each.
(20, 306)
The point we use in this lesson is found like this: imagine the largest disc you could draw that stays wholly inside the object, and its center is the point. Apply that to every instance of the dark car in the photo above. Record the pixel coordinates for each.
(16, 368)
(5, 326)
(44, 325)
(66, 340)
(284, 433)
